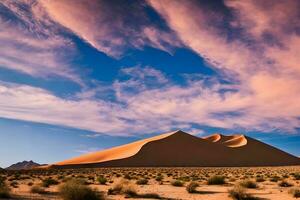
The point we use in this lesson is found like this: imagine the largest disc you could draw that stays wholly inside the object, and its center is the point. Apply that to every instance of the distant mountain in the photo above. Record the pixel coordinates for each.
(23, 165)
(180, 149)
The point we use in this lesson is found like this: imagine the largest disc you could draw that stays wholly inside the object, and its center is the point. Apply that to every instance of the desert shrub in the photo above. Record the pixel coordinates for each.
(102, 180)
(159, 178)
(38, 190)
(4, 190)
(30, 184)
(75, 190)
(14, 184)
(191, 187)
(48, 182)
(297, 176)
(122, 187)
(216, 180)
(177, 183)
(142, 181)
(285, 184)
(260, 179)
(248, 184)
(295, 192)
(274, 178)
(239, 193)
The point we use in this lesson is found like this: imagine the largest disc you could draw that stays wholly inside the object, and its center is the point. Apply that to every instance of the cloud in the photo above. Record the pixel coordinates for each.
(260, 65)
(262, 59)
(32, 43)
(107, 25)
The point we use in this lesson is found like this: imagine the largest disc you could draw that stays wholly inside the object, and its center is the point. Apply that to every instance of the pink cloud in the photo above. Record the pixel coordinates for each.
(107, 26)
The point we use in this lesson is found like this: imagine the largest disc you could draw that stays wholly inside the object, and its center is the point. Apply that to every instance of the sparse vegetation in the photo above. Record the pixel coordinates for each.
(177, 183)
(142, 181)
(285, 183)
(75, 190)
(102, 180)
(248, 184)
(48, 182)
(191, 187)
(216, 180)
(295, 192)
(239, 193)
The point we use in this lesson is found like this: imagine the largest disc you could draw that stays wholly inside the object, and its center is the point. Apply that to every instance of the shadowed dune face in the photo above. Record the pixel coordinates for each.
(179, 149)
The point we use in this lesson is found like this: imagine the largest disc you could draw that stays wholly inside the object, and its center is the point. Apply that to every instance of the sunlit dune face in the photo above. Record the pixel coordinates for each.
(119, 152)
(228, 141)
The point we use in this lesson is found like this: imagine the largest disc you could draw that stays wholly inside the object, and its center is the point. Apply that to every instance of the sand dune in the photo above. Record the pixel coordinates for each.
(179, 149)
(119, 152)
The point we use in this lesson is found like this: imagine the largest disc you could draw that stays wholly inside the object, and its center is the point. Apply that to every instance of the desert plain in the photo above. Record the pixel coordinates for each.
(276, 183)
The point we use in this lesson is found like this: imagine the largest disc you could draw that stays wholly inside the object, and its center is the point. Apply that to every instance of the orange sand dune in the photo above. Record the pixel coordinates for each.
(119, 152)
(180, 149)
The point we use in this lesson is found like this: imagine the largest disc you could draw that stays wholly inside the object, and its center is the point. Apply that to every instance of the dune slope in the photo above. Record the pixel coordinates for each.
(179, 149)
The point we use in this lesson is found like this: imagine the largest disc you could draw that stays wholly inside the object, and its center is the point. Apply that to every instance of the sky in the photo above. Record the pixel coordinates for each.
(79, 76)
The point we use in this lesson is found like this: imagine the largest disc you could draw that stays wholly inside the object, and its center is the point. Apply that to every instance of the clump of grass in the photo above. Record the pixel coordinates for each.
(216, 180)
(38, 190)
(102, 180)
(159, 178)
(48, 182)
(177, 183)
(295, 192)
(239, 193)
(285, 184)
(248, 184)
(274, 178)
(142, 181)
(75, 190)
(122, 187)
(191, 187)
(260, 179)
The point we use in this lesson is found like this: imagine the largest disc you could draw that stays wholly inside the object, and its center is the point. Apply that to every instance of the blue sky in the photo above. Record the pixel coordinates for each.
(77, 77)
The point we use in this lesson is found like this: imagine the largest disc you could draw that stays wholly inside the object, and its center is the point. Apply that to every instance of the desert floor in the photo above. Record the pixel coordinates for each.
(271, 182)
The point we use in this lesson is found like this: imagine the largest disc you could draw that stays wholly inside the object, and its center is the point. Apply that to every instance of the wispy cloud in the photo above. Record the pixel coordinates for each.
(106, 25)
(32, 43)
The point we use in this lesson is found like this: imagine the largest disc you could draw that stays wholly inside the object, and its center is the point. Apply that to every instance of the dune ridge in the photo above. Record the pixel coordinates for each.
(237, 140)
(119, 152)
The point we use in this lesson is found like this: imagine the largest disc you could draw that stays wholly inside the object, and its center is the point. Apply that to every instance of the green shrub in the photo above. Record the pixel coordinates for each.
(239, 193)
(295, 192)
(248, 184)
(177, 183)
(75, 190)
(191, 187)
(102, 180)
(216, 180)
(48, 182)
(285, 184)
(142, 181)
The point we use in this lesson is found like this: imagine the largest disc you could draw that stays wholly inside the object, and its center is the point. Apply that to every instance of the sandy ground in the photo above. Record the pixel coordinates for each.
(266, 189)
